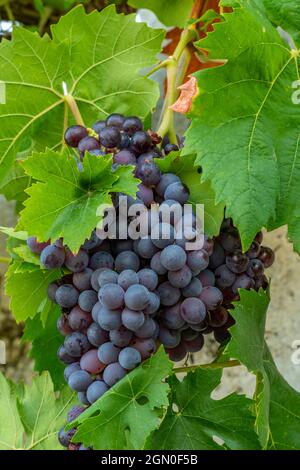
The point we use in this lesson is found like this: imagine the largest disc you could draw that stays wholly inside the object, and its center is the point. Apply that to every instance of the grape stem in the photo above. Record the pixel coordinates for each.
(213, 365)
(69, 99)
(4, 260)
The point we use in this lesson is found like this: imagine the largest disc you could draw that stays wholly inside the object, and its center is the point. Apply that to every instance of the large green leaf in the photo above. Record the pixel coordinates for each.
(200, 191)
(66, 202)
(124, 417)
(99, 57)
(31, 416)
(28, 289)
(46, 340)
(194, 419)
(245, 127)
(277, 404)
(175, 14)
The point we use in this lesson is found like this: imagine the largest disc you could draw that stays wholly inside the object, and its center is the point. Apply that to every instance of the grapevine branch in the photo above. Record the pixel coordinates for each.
(213, 365)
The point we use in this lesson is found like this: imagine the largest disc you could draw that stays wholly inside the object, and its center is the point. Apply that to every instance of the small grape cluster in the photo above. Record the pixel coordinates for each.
(123, 298)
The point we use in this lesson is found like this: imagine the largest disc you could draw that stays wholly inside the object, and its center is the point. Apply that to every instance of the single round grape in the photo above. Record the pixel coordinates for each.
(87, 300)
(170, 211)
(189, 334)
(87, 144)
(95, 311)
(193, 289)
(243, 282)
(266, 256)
(95, 279)
(173, 258)
(170, 148)
(108, 353)
(132, 124)
(79, 320)
(65, 437)
(91, 242)
(255, 268)
(132, 319)
(218, 256)
(82, 280)
(177, 191)
(146, 157)
(221, 335)
(207, 278)
(169, 338)
(83, 398)
(140, 142)
(74, 367)
(121, 337)
(109, 319)
(74, 413)
(80, 381)
(195, 345)
(171, 317)
(76, 344)
(110, 137)
(237, 262)
(145, 194)
(193, 310)
(197, 261)
(66, 296)
(180, 278)
(148, 329)
(153, 304)
(129, 358)
(127, 278)
(115, 120)
(148, 278)
(230, 240)
(107, 276)
(52, 257)
(74, 135)
(145, 248)
(35, 246)
(125, 141)
(96, 335)
(169, 295)
(91, 363)
(64, 356)
(254, 250)
(163, 234)
(146, 347)
(113, 373)
(52, 288)
(101, 259)
(96, 390)
(78, 262)
(212, 297)
(98, 126)
(136, 297)
(125, 157)
(156, 264)
(224, 277)
(111, 296)
(178, 353)
(127, 260)
(218, 317)
(149, 173)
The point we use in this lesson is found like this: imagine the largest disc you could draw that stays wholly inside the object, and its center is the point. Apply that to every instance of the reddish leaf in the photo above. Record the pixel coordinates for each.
(187, 93)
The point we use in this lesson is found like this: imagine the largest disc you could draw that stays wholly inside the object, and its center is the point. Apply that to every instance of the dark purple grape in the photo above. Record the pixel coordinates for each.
(115, 120)
(66, 296)
(208, 245)
(243, 282)
(107, 276)
(221, 335)
(145, 194)
(125, 157)
(65, 437)
(259, 238)
(96, 335)
(169, 338)
(153, 304)
(133, 320)
(79, 320)
(230, 240)
(83, 398)
(127, 260)
(80, 381)
(148, 278)
(140, 141)
(98, 126)
(90, 362)
(178, 353)
(224, 277)
(108, 353)
(211, 297)
(169, 295)
(92, 242)
(165, 181)
(170, 148)
(170, 212)
(74, 135)
(145, 248)
(101, 259)
(207, 278)
(76, 344)
(177, 191)
(136, 297)
(266, 256)
(125, 141)
(237, 262)
(95, 279)
(121, 245)
(180, 278)
(129, 358)
(146, 347)
(173, 258)
(35, 246)
(193, 310)
(189, 334)
(253, 250)
(149, 173)
(148, 330)
(171, 317)
(218, 317)
(64, 356)
(95, 311)
(52, 257)
(132, 125)
(195, 345)
(87, 300)
(197, 261)
(95, 391)
(127, 278)
(78, 262)
(113, 373)
(261, 282)
(109, 319)
(162, 235)
(255, 268)
(193, 289)
(121, 337)
(52, 288)
(74, 367)
(87, 144)
(110, 137)
(82, 280)
(218, 256)
(156, 264)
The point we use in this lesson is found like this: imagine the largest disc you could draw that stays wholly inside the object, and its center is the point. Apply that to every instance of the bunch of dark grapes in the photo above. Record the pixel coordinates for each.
(123, 298)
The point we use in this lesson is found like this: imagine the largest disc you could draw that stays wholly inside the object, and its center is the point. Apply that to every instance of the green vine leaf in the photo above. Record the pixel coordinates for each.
(124, 417)
(28, 289)
(277, 404)
(45, 342)
(249, 146)
(201, 192)
(32, 414)
(194, 418)
(176, 14)
(36, 114)
(65, 202)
